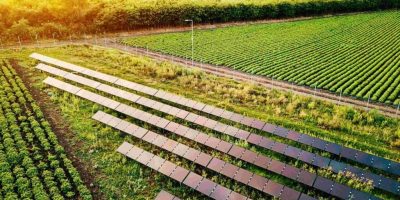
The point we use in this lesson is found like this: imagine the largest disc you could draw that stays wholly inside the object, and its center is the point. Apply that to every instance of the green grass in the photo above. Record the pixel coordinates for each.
(357, 55)
(121, 178)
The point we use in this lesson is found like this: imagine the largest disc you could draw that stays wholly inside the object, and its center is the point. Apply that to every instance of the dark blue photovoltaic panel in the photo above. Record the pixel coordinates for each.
(289, 194)
(273, 188)
(390, 185)
(348, 153)
(319, 144)
(293, 135)
(323, 184)
(380, 163)
(306, 178)
(364, 158)
(341, 191)
(281, 131)
(321, 162)
(337, 166)
(290, 171)
(292, 152)
(333, 148)
(306, 156)
(305, 139)
(394, 168)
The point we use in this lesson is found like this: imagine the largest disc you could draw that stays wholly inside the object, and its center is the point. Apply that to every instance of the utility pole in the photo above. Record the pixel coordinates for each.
(19, 41)
(191, 21)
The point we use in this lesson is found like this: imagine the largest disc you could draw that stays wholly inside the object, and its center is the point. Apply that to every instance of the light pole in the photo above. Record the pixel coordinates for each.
(191, 21)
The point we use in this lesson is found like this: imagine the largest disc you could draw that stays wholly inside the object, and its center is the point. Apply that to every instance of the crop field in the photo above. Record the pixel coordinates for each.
(33, 165)
(118, 177)
(356, 55)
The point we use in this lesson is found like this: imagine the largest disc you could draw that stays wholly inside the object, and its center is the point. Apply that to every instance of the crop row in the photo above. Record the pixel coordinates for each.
(355, 55)
(33, 165)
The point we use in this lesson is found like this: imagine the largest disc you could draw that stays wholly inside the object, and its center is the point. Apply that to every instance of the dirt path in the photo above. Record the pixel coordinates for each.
(261, 80)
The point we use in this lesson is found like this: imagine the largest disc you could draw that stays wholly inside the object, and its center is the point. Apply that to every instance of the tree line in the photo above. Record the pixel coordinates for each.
(28, 20)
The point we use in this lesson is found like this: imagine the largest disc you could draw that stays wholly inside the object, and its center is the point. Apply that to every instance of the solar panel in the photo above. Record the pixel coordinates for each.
(323, 184)
(274, 189)
(203, 159)
(262, 161)
(191, 154)
(258, 182)
(201, 138)
(212, 142)
(242, 134)
(279, 147)
(257, 124)
(113, 123)
(179, 174)
(276, 166)
(180, 149)
(321, 162)
(290, 194)
(306, 178)
(206, 187)
(243, 176)
(252, 138)
(224, 146)
(220, 193)
(216, 111)
(290, 171)
(193, 180)
(319, 144)
(170, 145)
(216, 164)
(341, 191)
(229, 170)
(249, 156)
(167, 168)
(145, 157)
(124, 148)
(236, 196)
(163, 195)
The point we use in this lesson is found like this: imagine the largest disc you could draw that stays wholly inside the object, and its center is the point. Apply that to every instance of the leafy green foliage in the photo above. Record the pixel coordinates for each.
(33, 164)
(332, 53)
(60, 19)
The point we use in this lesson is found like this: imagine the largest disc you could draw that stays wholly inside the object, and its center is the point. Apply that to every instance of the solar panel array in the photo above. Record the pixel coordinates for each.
(345, 152)
(231, 171)
(164, 195)
(255, 181)
(180, 174)
(265, 162)
(379, 181)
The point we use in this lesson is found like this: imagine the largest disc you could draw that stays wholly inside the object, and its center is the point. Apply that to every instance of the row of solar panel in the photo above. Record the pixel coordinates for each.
(236, 151)
(352, 154)
(316, 160)
(180, 174)
(164, 195)
(231, 171)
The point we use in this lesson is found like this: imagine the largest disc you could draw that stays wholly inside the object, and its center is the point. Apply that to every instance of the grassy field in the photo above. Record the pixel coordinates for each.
(119, 178)
(357, 55)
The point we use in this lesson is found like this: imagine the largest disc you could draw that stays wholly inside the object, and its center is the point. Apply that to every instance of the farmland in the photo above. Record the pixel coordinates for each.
(121, 178)
(33, 165)
(353, 55)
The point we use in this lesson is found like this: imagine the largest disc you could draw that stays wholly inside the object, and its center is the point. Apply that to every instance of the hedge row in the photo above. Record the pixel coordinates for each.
(175, 15)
